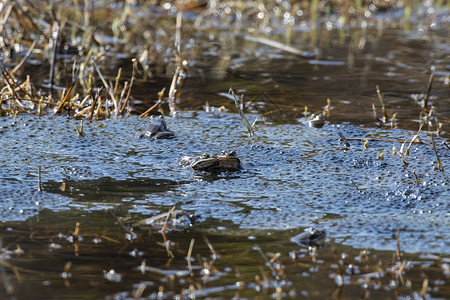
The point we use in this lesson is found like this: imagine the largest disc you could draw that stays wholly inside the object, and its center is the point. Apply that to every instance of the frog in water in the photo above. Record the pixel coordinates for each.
(310, 237)
(157, 129)
(212, 163)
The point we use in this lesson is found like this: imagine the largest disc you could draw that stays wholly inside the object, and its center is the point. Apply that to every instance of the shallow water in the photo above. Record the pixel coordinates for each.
(294, 176)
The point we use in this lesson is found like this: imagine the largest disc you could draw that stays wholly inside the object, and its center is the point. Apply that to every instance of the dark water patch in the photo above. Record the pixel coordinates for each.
(109, 189)
(101, 260)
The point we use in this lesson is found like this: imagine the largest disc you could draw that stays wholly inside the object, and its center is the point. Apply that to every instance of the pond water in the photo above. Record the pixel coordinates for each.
(371, 198)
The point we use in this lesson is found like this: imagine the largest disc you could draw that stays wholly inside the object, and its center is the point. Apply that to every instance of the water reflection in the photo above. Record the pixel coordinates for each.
(110, 189)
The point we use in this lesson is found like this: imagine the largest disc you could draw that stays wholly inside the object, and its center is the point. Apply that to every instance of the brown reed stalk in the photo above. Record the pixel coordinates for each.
(427, 97)
(106, 85)
(133, 76)
(189, 255)
(56, 32)
(383, 108)
(345, 140)
(39, 179)
(241, 112)
(441, 167)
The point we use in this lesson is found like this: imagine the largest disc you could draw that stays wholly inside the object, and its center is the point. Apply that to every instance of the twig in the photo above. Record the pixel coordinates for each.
(179, 78)
(416, 179)
(445, 144)
(94, 102)
(210, 246)
(55, 53)
(241, 113)
(354, 184)
(277, 45)
(111, 94)
(133, 74)
(410, 144)
(430, 83)
(80, 130)
(39, 179)
(64, 100)
(388, 140)
(441, 167)
(383, 108)
(191, 246)
(24, 59)
(398, 244)
(119, 221)
(345, 140)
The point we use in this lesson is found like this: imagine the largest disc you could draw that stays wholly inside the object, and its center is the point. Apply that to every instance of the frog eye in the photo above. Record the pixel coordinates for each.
(223, 153)
(205, 155)
(232, 153)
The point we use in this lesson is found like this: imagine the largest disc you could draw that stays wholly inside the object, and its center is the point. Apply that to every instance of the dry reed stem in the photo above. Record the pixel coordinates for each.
(189, 255)
(56, 30)
(441, 167)
(133, 75)
(398, 245)
(210, 246)
(388, 140)
(276, 45)
(25, 58)
(427, 97)
(106, 85)
(238, 103)
(383, 108)
(416, 179)
(116, 85)
(64, 100)
(179, 78)
(166, 222)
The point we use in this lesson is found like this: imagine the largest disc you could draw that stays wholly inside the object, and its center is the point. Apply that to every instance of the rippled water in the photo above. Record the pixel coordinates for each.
(294, 176)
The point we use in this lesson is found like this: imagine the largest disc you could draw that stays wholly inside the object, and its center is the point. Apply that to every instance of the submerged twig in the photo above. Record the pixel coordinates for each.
(276, 45)
(189, 255)
(241, 113)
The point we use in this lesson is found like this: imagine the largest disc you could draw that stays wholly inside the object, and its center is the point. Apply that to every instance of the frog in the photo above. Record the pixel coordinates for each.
(226, 161)
(316, 121)
(156, 129)
(310, 237)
